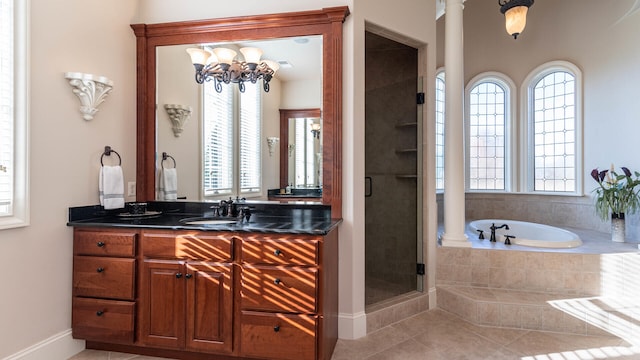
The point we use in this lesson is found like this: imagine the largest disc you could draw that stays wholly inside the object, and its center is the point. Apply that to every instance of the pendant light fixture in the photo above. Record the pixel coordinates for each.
(515, 15)
(221, 66)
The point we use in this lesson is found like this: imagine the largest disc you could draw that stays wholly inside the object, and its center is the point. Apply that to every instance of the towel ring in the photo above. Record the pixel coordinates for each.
(107, 151)
(164, 157)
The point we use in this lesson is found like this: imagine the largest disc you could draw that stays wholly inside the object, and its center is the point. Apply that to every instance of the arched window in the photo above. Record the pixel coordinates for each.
(440, 130)
(488, 132)
(553, 93)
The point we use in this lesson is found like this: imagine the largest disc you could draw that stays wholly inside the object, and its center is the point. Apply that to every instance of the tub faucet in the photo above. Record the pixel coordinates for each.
(493, 231)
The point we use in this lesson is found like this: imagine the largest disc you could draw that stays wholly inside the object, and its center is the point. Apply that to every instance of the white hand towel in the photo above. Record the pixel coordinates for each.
(111, 187)
(168, 189)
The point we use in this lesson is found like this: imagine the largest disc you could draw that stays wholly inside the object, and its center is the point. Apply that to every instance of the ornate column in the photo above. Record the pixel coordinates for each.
(454, 207)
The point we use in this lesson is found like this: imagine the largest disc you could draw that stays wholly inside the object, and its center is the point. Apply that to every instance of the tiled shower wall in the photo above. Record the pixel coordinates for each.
(561, 211)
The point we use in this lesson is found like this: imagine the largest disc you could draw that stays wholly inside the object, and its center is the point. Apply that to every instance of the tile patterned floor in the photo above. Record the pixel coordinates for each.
(439, 335)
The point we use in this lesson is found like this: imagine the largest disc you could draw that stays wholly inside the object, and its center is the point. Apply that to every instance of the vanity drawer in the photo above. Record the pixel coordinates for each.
(279, 288)
(280, 251)
(278, 336)
(104, 243)
(103, 320)
(105, 277)
(186, 245)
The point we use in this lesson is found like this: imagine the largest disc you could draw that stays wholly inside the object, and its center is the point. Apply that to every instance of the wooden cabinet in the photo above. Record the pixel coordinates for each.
(104, 274)
(197, 294)
(186, 298)
(284, 279)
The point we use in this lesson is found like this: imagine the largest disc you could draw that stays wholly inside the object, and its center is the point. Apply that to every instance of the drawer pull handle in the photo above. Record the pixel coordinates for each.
(100, 269)
(99, 312)
(188, 276)
(277, 281)
(277, 252)
(276, 328)
(178, 275)
(100, 244)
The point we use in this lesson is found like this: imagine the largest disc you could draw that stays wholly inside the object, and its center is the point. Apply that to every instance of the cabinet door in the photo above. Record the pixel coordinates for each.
(162, 306)
(209, 307)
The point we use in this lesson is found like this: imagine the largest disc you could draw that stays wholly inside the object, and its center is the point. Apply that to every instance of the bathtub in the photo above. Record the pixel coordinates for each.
(528, 234)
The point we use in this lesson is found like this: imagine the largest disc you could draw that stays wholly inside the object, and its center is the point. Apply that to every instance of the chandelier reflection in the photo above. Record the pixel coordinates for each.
(220, 65)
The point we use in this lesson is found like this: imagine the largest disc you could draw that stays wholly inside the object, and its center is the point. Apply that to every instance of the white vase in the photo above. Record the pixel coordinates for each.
(618, 231)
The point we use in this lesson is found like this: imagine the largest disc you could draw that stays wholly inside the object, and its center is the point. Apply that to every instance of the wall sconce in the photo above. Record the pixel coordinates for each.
(221, 66)
(91, 90)
(315, 130)
(515, 14)
(271, 142)
(179, 115)
(291, 148)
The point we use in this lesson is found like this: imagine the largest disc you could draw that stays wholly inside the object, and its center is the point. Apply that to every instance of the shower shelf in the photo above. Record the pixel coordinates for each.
(406, 151)
(406, 125)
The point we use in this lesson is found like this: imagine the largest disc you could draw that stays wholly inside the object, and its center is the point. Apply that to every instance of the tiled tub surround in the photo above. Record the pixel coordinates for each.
(592, 289)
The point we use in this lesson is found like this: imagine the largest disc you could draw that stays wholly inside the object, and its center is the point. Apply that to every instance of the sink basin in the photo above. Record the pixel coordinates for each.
(207, 221)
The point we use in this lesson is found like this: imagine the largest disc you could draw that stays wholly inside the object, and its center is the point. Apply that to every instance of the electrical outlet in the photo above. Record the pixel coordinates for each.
(131, 186)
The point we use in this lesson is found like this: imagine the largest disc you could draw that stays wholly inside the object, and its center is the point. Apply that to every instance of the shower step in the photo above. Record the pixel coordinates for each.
(526, 310)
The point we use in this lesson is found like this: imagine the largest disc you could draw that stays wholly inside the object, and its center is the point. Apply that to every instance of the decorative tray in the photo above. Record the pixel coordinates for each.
(144, 214)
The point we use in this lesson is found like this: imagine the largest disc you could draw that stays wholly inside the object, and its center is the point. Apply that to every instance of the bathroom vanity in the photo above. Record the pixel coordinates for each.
(160, 285)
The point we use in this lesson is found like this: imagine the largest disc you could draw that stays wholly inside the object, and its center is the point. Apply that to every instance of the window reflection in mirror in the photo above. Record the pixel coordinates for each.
(305, 152)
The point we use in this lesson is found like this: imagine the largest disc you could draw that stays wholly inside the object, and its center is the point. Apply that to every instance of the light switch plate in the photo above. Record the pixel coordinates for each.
(131, 188)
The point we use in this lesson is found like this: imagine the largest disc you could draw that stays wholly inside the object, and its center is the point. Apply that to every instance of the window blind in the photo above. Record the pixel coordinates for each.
(250, 145)
(218, 140)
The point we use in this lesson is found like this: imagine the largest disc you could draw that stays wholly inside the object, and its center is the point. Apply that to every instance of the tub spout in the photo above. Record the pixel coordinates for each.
(493, 228)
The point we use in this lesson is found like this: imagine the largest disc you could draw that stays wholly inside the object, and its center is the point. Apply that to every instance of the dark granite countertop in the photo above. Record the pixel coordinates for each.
(312, 219)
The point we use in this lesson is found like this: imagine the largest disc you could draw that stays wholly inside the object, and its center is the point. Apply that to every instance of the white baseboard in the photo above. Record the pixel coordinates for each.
(352, 326)
(58, 347)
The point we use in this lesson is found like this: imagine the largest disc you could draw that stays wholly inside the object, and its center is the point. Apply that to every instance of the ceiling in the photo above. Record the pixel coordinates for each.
(303, 54)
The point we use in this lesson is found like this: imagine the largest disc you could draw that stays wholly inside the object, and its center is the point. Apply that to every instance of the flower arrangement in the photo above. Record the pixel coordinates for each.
(616, 193)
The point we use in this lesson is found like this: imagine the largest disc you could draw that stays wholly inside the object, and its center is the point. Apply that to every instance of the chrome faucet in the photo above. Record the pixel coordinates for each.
(493, 231)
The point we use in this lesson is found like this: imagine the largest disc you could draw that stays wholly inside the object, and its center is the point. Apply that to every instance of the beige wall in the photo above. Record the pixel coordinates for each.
(64, 159)
(597, 36)
(65, 149)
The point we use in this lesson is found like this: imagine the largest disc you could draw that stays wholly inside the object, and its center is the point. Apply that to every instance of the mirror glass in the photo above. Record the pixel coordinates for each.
(301, 159)
(304, 152)
(296, 85)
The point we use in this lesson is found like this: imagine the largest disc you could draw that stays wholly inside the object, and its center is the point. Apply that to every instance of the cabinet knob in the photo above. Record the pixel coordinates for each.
(188, 276)
(178, 275)
(276, 328)
(100, 269)
(277, 281)
(99, 312)
(100, 244)
(277, 252)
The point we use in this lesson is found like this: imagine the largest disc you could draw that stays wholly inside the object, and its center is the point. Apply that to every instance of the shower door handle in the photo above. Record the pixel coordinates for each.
(368, 186)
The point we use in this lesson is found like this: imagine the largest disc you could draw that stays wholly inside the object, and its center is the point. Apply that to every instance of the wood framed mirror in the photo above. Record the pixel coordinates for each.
(326, 22)
(286, 116)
